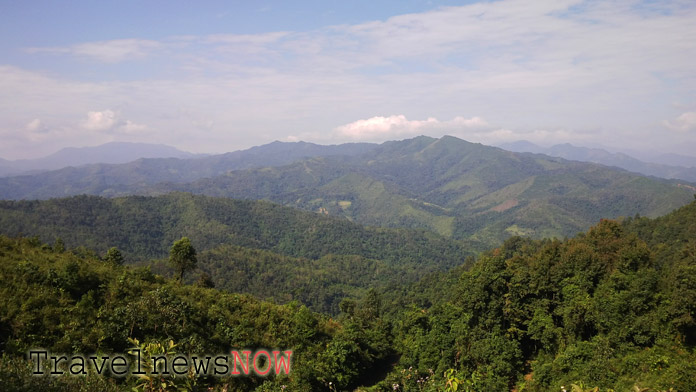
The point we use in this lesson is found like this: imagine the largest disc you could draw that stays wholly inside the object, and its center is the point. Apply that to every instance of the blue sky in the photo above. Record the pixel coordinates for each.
(224, 75)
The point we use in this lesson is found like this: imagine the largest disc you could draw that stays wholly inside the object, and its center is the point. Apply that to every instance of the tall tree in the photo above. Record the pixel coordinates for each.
(114, 256)
(182, 256)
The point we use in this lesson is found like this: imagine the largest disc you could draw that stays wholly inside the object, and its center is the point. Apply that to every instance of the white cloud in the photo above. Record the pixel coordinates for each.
(539, 69)
(381, 127)
(113, 51)
(684, 123)
(35, 125)
(100, 121)
(474, 129)
(396, 126)
(246, 39)
(108, 121)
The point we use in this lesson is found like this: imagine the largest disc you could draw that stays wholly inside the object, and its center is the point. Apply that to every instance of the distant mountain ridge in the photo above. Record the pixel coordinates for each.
(125, 179)
(604, 157)
(465, 190)
(458, 189)
(109, 153)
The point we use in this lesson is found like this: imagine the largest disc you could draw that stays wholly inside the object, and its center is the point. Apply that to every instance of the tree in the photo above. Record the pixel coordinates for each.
(182, 257)
(113, 256)
(59, 245)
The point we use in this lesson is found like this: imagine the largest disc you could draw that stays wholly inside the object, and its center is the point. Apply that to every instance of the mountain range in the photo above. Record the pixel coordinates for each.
(124, 179)
(418, 305)
(463, 190)
(681, 167)
(114, 153)
(452, 187)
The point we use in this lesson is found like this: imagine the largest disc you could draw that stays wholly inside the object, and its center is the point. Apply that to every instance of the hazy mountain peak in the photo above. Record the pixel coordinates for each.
(110, 153)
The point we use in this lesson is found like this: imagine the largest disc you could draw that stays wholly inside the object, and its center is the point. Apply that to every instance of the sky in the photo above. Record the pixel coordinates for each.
(218, 76)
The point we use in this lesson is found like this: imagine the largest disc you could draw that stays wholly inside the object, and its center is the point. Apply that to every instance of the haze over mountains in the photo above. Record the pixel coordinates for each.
(452, 187)
(670, 166)
(112, 153)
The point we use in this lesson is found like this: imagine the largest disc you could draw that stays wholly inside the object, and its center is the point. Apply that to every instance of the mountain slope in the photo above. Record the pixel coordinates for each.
(246, 246)
(123, 179)
(449, 186)
(454, 188)
(614, 307)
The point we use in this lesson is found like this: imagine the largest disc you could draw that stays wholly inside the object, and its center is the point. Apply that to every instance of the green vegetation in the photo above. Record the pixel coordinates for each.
(369, 309)
(245, 246)
(458, 189)
(182, 257)
(128, 178)
(68, 303)
(612, 308)
(463, 190)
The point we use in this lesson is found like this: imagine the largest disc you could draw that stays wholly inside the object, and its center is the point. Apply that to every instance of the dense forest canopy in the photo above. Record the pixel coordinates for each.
(245, 246)
(609, 308)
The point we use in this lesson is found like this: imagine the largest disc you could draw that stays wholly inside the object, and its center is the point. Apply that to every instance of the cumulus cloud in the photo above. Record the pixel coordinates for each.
(474, 129)
(396, 126)
(109, 121)
(684, 123)
(381, 127)
(100, 121)
(559, 65)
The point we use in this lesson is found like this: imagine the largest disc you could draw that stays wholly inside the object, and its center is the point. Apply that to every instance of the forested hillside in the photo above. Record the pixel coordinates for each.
(611, 308)
(67, 303)
(417, 308)
(245, 246)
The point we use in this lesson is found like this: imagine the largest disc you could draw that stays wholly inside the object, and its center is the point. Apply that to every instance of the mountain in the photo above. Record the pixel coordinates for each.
(112, 153)
(452, 187)
(609, 308)
(124, 179)
(686, 172)
(245, 245)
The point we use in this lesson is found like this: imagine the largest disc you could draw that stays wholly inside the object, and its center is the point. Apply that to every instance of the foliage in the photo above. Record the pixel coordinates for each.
(603, 309)
(244, 245)
(65, 303)
(182, 256)
(114, 256)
